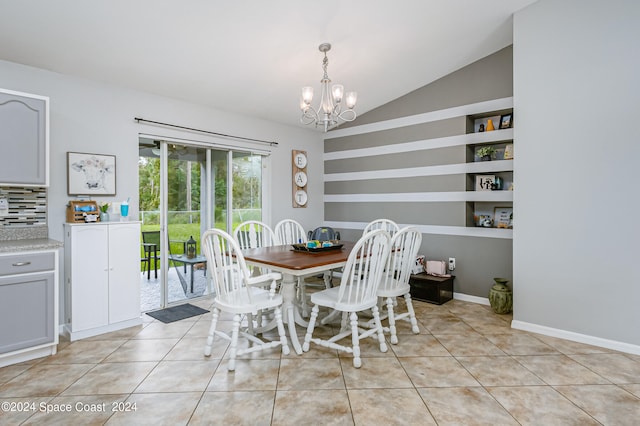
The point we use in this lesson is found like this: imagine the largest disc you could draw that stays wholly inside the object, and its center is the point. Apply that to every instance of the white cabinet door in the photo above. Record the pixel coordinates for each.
(89, 277)
(124, 271)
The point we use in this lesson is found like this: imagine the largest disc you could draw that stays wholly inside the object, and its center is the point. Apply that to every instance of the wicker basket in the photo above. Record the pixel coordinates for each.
(76, 211)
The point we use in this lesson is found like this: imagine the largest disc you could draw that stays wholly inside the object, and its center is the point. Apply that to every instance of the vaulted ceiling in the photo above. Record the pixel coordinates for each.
(252, 57)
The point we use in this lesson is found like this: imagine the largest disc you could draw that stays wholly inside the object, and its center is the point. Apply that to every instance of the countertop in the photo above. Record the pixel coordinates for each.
(34, 244)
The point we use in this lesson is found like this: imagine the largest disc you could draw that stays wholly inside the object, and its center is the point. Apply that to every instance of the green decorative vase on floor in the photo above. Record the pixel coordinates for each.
(501, 297)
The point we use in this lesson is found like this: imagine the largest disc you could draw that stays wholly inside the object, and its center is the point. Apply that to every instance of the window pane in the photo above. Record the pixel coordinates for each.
(247, 187)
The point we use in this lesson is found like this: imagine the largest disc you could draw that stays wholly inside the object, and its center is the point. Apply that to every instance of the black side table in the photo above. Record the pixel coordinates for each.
(431, 289)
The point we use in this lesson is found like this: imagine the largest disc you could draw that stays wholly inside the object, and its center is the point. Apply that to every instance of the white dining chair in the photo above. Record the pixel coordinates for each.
(288, 231)
(239, 293)
(254, 234)
(395, 281)
(387, 224)
(357, 292)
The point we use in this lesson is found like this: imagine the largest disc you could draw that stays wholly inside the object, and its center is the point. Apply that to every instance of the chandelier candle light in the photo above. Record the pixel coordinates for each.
(329, 111)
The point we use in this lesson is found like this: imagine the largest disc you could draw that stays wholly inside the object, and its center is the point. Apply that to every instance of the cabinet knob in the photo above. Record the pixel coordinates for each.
(22, 263)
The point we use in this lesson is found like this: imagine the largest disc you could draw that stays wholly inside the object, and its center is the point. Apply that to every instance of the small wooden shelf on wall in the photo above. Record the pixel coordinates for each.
(299, 178)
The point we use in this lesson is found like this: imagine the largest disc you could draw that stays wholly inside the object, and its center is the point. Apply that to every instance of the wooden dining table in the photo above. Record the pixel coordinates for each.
(293, 264)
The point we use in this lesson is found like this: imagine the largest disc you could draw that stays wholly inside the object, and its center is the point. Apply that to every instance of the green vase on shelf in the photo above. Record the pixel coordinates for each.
(501, 296)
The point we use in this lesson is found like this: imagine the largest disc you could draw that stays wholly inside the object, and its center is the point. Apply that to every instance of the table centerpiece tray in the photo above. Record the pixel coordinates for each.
(304, 249)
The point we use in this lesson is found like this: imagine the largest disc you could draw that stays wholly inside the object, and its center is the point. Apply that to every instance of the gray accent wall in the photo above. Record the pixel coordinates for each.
(488, 78)
(576, 242)
(475, 258)
(478, 259)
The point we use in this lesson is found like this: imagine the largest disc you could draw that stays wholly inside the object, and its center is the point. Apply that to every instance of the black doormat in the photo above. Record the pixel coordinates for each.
(177, 313)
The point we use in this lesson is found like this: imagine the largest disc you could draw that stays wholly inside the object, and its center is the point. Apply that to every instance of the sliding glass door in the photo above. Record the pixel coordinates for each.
(184, 190)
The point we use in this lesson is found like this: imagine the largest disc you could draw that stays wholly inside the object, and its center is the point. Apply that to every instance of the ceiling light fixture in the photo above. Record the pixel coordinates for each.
(329, 111)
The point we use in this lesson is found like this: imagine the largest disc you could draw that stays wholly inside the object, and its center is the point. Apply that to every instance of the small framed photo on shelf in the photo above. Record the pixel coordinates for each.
(505, 121)
(484, 220)
(508, 151)
(503, 217)
(485, 182)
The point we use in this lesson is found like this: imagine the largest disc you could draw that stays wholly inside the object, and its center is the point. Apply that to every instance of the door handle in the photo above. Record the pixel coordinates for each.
(22, 263)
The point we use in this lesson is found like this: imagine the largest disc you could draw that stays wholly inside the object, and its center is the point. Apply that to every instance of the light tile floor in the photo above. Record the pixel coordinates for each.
(466, 367)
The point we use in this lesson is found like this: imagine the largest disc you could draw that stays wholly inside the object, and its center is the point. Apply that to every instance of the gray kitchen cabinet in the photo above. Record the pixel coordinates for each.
(24, 138)
(28, 306)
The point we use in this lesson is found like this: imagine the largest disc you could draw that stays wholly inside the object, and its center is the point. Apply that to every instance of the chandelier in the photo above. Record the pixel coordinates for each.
(329, 112)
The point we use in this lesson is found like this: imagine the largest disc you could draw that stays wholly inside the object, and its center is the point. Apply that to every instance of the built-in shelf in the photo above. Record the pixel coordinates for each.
(469, 166)
(500, 171)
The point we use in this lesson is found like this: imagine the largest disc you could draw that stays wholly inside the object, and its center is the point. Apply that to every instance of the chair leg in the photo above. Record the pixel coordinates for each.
(392, 322)
(327, 276)
(212, 330)
(303, 297)
(343, 322)
(412, 314)
(155, 265)
(250, 322)
(310, 327)
(281, 332)
(355, 340)
(234, 342)
(376, 319)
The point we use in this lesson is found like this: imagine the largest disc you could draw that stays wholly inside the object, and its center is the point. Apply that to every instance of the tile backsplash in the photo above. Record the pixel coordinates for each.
(27, 207)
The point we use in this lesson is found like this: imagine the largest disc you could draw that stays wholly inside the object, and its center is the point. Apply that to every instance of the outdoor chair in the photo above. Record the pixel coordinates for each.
(151, 247)
(357, 292)
(239, 293)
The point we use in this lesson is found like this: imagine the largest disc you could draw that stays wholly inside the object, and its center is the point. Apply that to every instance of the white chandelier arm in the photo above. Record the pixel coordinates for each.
(347, 115)
(309, 116)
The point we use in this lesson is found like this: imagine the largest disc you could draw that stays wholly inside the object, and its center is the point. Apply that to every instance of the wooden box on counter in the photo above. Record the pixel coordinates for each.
(431, 289)
(75, 216)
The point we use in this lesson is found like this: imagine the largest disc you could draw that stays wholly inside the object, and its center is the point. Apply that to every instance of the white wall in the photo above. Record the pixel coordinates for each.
(576, 205)
(88, 116)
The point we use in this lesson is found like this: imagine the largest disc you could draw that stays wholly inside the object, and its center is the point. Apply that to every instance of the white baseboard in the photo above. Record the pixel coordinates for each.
(469, 298)
(77, 335)
(576, 337)
(554, 332)
(28, 354)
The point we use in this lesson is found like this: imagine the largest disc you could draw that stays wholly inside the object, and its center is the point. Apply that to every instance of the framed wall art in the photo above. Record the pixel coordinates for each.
(505, 121)
(503, 217)
(485, 182)
(508, 151)
(91, 174)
